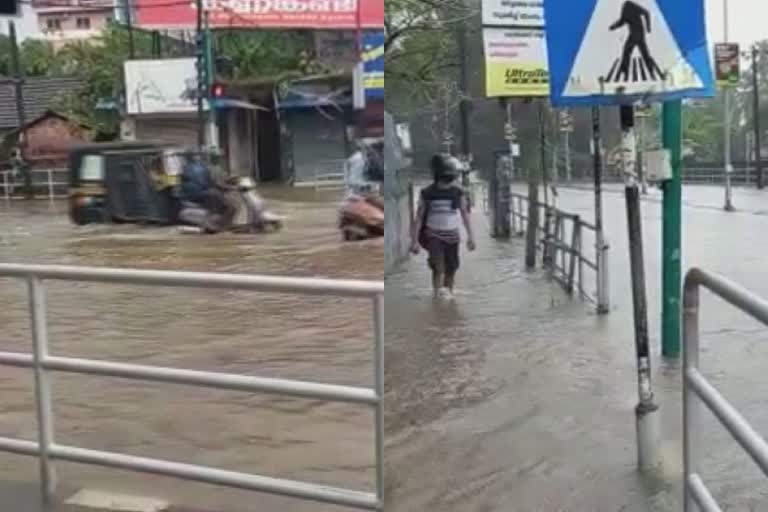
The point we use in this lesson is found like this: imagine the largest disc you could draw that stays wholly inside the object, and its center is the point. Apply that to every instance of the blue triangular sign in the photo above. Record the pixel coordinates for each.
(622, 51)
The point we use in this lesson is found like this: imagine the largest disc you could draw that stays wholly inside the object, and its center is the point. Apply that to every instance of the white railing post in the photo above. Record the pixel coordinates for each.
(378, 327)
(603, 283)
(37, 307)
(6, 192)
(50, 185)
(691, 402)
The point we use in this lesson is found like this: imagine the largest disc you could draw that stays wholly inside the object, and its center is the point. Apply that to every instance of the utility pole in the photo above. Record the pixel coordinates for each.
(756, 117)
(672, 135)
(129, 26)
(545, 181)
(532, 229)
(601, 245)
(465, 104)
(727, 124)
(201, 80)
(18, 83)
(647, 412)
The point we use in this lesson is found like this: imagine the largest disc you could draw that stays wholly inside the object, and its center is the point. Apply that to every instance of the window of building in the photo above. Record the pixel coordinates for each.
(53, 23)
(84, 23)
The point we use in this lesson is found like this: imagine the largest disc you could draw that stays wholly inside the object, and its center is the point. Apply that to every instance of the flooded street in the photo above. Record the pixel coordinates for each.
(317, 339)
(518, 399)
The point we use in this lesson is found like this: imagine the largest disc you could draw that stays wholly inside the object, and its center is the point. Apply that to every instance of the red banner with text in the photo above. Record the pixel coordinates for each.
(311, 14)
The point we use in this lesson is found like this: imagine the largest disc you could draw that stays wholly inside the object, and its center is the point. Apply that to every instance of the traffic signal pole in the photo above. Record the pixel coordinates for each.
(201, 80)
(210, 75)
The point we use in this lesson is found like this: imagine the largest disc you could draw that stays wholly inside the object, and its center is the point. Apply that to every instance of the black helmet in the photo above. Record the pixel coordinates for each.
(444, 167)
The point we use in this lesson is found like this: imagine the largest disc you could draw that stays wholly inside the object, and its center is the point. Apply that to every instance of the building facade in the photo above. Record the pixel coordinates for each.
(64, 21)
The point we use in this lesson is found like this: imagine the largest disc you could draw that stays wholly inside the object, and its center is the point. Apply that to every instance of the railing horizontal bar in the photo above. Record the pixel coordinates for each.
(701, 495)
(734, 294)
(245, 282)
(298, 389)
(19, 446)
(755, 446)
(283, 487)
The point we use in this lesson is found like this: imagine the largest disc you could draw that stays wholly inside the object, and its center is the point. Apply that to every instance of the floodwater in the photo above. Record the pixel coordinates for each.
(308, 338)
(515, 398)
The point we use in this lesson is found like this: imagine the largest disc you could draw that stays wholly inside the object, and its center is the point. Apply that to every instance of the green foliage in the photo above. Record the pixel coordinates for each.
(99, 64)
(262, 54)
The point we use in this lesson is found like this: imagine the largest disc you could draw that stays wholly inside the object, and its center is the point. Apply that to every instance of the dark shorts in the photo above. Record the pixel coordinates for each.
(443, 256)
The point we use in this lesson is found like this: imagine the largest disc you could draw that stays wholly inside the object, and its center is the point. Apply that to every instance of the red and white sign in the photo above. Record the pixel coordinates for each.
(313, 14)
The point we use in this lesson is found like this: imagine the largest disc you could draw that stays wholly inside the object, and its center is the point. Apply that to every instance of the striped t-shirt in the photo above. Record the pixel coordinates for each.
(442, 206)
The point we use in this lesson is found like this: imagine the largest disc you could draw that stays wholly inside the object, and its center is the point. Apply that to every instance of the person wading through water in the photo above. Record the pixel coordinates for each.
(443, 206)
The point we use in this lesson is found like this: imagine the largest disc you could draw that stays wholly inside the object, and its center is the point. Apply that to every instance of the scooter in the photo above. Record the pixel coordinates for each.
(361, 217)
(251, 216)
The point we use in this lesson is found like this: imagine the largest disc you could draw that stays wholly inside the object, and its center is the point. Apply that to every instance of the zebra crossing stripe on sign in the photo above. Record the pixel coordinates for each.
(627, 50)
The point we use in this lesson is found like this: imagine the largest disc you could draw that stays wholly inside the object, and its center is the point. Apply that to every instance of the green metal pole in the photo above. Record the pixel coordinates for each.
(672, 134)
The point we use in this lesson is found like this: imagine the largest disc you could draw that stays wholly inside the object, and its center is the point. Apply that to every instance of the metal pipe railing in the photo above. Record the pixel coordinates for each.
(43, 364)
(697, 390)
(51, 185)
(561, 241)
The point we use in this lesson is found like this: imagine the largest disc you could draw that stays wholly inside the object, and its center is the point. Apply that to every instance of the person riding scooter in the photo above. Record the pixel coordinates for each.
(200, 191)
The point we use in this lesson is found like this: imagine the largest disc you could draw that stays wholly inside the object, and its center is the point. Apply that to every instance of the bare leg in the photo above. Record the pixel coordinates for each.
(437, 281)
(449, 280)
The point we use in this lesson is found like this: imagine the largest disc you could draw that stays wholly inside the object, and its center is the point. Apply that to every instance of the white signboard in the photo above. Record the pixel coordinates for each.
(163, 86)
(513, 13)
(515, 63)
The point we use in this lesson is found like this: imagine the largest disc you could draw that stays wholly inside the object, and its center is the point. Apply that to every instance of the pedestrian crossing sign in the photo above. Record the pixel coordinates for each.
(610, 52)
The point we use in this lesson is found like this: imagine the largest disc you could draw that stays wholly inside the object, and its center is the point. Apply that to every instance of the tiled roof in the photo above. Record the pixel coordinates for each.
(40, 95)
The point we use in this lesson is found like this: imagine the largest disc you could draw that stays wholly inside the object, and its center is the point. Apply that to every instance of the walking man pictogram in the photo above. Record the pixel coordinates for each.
(638, 21)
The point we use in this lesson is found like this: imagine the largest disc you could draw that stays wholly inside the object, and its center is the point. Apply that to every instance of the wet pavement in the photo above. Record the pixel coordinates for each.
(515, 398)
(295, 337)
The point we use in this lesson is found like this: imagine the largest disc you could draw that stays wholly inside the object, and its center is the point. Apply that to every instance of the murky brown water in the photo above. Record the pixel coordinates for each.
(321, 339)
(514, 398)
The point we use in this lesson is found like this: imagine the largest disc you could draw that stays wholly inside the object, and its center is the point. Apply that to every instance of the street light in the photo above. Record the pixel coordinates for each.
(727, 135)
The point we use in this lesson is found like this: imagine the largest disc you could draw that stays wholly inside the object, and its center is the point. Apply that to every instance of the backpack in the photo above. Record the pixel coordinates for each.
(374, 165)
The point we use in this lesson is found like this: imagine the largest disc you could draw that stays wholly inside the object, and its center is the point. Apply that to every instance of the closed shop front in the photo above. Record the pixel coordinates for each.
(176, 130)
(318, 143)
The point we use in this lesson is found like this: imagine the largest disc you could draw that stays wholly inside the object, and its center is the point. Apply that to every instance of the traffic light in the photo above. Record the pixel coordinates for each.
(9, 8)
(217, 90)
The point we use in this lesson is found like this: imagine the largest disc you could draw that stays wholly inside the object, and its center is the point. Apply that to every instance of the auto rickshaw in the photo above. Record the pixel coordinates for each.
(126, 182)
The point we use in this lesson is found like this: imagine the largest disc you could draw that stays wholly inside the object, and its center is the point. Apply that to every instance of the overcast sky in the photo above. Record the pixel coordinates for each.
(747, 20)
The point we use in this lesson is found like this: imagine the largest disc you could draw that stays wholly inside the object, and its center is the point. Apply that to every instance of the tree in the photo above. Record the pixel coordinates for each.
(261, 54)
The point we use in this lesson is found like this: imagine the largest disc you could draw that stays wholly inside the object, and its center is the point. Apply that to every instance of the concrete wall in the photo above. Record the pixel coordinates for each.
(397, 207)
(397, 237)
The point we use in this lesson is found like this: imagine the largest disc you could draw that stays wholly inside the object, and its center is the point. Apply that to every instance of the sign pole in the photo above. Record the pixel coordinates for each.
(647, 412)
(672, 134)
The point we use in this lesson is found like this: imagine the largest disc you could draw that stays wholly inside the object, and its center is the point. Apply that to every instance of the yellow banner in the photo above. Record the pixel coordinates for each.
(514, 79)
(374, 81)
